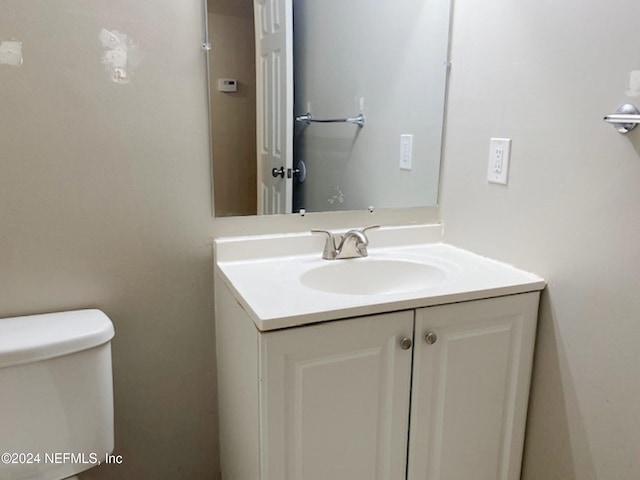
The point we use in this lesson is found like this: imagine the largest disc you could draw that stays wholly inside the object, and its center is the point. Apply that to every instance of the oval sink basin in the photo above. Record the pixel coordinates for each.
(373, 276)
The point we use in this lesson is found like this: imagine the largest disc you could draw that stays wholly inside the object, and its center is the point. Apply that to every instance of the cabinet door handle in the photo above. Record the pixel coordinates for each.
(430, 338)
(405, 343)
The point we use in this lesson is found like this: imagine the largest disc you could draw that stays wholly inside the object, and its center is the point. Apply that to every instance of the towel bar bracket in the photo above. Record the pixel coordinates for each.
(625, 118)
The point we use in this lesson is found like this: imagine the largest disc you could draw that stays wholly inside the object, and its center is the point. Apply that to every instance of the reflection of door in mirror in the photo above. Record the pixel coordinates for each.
(274, 79)
(233, 113)
(251, 104)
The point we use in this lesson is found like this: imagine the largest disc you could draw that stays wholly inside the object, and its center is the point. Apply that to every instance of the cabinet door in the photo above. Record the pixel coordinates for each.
(470, 389)
(334, 400)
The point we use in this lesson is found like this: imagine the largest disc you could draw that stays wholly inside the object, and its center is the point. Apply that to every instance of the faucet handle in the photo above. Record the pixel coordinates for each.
(326, 232)
(369, 228)
(329, 252)
(363, 242)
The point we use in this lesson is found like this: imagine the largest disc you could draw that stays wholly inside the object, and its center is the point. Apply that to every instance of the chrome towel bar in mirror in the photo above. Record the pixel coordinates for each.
(625, 118)
(308, 118)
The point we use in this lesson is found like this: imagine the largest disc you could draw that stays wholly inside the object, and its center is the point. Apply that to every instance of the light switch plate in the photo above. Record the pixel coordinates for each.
(499, 152)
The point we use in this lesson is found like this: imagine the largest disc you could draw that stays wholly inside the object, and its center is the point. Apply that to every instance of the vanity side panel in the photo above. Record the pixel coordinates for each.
(512, 464)
(471, 388)
(237, 363)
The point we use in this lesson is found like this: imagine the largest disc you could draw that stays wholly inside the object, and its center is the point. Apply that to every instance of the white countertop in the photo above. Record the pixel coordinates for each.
(264, 274)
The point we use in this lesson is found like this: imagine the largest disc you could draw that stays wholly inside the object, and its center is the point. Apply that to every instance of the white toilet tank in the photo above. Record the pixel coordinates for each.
(56, 394)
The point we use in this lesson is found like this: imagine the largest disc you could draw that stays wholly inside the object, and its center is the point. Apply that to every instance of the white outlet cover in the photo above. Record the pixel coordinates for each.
(499, 155)
(406, 151)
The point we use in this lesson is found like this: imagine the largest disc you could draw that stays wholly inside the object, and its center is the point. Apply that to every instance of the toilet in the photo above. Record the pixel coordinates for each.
(56, 394)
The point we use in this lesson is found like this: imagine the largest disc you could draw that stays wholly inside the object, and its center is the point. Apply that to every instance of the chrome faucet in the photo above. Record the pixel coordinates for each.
(352, 244)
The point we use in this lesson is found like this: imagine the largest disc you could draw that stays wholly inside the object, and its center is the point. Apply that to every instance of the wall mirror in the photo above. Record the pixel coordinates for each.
(326, 105)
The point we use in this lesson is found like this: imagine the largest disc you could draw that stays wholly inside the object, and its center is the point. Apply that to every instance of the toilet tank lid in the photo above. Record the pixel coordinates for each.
(39, 337)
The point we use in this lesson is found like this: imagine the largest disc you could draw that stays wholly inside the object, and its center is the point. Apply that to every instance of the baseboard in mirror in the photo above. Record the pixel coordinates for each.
(268, 224)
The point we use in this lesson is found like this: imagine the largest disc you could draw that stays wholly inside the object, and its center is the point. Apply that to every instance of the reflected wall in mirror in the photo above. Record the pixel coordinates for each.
(233, 114)
(333, 59)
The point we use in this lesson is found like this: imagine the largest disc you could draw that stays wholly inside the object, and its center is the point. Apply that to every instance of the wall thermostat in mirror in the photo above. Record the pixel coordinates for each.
(227, 85)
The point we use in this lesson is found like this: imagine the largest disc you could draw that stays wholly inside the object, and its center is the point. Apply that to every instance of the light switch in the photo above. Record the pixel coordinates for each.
(498, 169)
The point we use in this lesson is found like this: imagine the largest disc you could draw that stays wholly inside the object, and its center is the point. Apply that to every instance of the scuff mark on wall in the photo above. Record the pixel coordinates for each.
(634, 84)
(338, 197)
(11, 53)
(120, 54)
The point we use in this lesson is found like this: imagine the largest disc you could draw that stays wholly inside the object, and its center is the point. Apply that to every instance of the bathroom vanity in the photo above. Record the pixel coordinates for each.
(413, 362)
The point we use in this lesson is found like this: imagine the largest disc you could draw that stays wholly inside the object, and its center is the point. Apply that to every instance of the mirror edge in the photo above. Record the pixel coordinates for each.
(292, 222)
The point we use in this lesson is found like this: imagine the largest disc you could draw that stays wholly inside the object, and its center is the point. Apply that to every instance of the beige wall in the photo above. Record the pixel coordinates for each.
(105, 202)
(233, 115)
(544, 74)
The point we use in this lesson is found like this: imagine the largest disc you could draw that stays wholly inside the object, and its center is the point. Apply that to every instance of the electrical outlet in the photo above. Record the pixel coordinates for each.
(406, 151)
(499, 153)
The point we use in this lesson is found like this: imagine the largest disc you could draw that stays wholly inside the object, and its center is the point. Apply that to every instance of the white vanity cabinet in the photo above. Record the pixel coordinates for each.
(435, 393)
